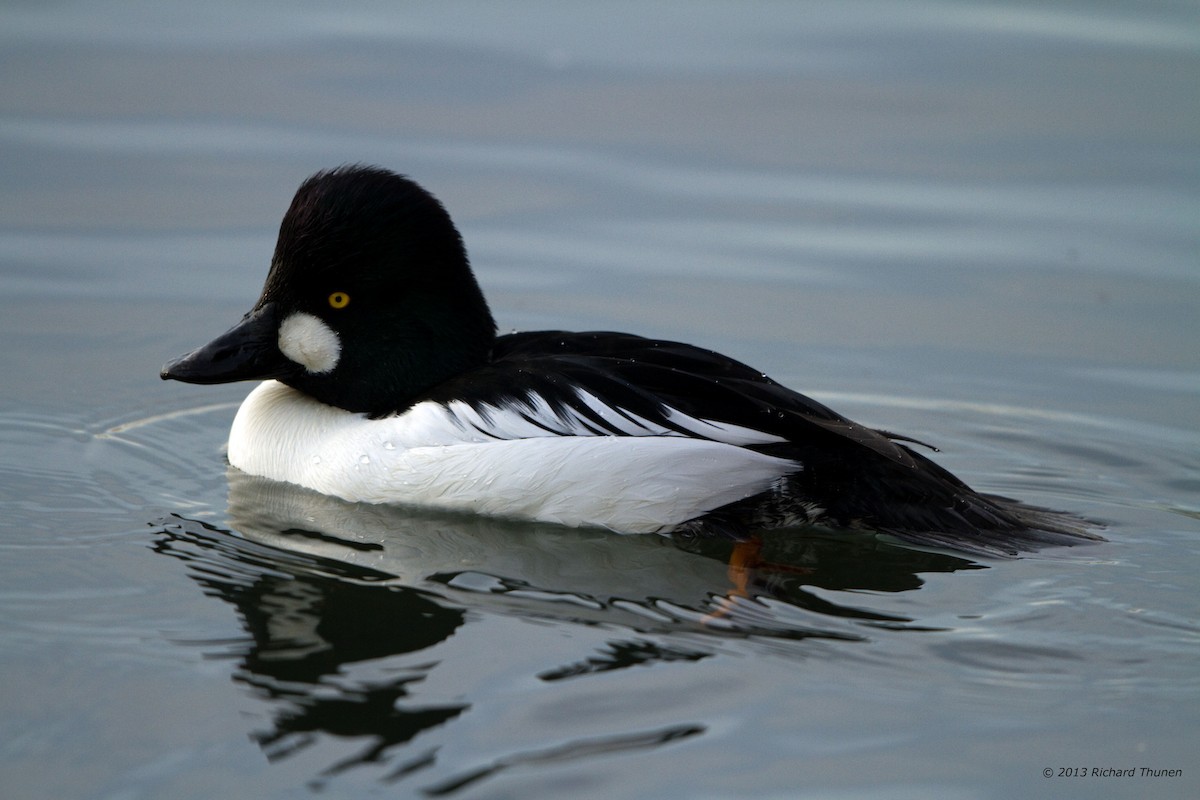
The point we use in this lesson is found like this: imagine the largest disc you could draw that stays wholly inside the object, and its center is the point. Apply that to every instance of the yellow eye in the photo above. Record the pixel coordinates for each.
(339, 300)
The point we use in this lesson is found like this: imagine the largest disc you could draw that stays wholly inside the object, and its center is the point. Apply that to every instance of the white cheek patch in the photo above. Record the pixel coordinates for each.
(309, 342)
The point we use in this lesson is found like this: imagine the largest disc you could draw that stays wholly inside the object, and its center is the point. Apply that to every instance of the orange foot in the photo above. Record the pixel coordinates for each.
(742, 561)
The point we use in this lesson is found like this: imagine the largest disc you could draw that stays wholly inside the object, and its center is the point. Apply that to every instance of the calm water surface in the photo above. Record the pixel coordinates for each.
(972, 223)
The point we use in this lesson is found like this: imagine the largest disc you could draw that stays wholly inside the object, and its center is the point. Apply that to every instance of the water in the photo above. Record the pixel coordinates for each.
(972, 223)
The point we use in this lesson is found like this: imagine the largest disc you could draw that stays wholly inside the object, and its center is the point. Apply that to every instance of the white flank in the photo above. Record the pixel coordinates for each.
(309, 342)
(436, 457)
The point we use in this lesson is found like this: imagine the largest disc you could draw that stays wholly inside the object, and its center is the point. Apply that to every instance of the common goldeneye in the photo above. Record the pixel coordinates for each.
(384, 382)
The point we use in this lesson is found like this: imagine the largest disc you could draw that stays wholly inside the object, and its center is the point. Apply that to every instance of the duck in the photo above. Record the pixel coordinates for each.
(383, 380)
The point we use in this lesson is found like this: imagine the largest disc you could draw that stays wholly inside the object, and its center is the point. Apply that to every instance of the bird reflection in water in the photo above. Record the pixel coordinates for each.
(345, 606)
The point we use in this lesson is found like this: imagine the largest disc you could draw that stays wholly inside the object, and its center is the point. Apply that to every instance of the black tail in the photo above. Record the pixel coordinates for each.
(916, 501)
(999, 526)
(927, 505)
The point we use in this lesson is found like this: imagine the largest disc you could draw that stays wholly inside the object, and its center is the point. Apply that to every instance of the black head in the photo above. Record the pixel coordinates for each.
(369, 301)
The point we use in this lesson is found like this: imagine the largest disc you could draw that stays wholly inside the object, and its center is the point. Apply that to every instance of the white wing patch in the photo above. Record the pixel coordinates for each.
(526, 462)
(539, 419)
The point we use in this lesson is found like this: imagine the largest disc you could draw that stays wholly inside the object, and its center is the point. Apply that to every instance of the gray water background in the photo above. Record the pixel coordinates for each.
(973, 223)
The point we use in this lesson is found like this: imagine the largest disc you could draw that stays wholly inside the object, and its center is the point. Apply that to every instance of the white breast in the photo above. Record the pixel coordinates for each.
(499, 462)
